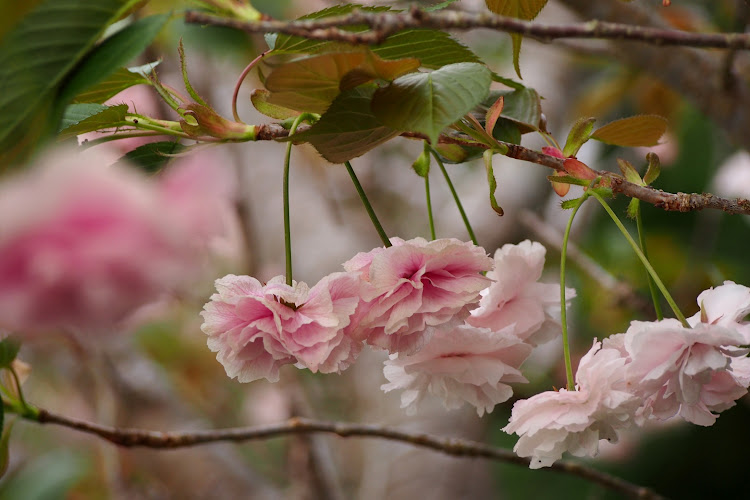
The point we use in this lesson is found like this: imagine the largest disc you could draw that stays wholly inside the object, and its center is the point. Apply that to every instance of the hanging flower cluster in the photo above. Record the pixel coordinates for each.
(451, 331)
(655, 370)
(458, 325)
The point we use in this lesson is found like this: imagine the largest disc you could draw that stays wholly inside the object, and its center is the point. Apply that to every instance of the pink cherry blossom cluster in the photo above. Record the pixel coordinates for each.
(83, 245)
(655, 370)
(450, 330)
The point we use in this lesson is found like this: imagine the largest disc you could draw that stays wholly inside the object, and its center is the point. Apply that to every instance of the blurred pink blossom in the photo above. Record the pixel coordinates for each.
(199, 190)
(466, 364)
(83, 245)
(516, 298)
(551, 423)
(416, 285)
(683, 371)
(257, 328)
(725, 305)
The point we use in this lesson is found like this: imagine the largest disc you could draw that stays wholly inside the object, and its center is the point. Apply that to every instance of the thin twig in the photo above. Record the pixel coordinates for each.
(451, 446)
(384, 24)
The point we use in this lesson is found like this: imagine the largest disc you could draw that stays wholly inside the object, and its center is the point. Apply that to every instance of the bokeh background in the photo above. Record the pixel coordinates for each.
(161, 376)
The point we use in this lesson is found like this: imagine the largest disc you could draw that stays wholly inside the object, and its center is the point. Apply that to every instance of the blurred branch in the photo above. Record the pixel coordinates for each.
(450, 446)
(384, 24)
(701, 77)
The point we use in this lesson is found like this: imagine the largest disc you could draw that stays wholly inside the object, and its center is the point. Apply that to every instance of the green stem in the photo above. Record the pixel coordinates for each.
(368, 207)
(285, 195)
(429, 205)
(651, 271)
(563, 302)
(21, 399)
(455, 195)
(651, 284)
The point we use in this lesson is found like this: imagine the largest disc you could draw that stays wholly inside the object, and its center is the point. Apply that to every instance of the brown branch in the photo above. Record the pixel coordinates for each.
(670, 202)
(678, 202)
(452, 446)
(384, 24)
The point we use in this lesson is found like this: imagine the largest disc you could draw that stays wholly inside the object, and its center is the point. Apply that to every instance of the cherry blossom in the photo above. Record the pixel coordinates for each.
(415, 286)
(685, 371)
(257, 328)
(83, 245)
(553, 422)
(516, 298)
(725, 305)
(464, 365)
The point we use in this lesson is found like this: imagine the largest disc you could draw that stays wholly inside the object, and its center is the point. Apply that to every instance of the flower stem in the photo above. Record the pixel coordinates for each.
(651, 271)
(563, 302)
(285, 191)
(368, 207)
(642, 241)
(241, 79)
(455, 196)
(429, 205)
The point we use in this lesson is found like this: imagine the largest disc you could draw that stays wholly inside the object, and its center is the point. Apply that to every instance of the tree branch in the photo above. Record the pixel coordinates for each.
(451, 446)
(670, 202)
(699, 76)
(384, 24)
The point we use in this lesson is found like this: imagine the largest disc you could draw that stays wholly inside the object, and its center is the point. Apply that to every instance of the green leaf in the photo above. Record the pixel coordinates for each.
(604, 192)
(116, 51)
(312, 83)
(185, 79)
(508, 82)
(422, 164)
(37, 56)
(429, 102)
(9, 348)
(653, 170)
(523, 106)
(568, 204)
(578, 135)
(453, 153)
(567, 179)
(629, 171)
(433, 48)
(115, 83)
(519, 9)
(259, 98)
(439, 6)
(88, 117)
(491, 181)
(641, 130)
(507, 131)
(154, 156)
(348, 129)
(633, 207)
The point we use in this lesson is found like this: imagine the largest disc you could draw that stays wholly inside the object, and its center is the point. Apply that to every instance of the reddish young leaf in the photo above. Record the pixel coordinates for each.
(493, 114)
